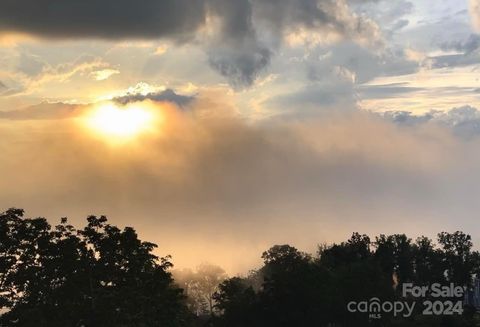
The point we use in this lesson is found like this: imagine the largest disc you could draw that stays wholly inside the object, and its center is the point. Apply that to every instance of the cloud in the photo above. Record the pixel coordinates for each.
(109, 19)
(467, 53)
(466, 46)
(59, 110)
(334, 77)
(208, 177)
(240, 37)
(364, 64)
(30, 65)
(167, 95)
(252, 31)
(406, 118)
(104, 74)
(474, 10)
(328, 16)
(6, 90)
(236, 52)
(463, 121)
(314, 99)
(43, 111)
(390, 15)
(386, 91)
(30, 74)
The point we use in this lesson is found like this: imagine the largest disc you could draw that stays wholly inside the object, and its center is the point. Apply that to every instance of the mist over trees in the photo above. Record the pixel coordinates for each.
(200, 287)
(104, 276)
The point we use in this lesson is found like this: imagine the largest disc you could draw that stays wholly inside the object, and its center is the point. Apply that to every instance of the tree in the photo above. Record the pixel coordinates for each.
(298, 290)
(98, 276)
(428, 262)
(200, 286)
(238, 303)
(395, 255)
(458, 258)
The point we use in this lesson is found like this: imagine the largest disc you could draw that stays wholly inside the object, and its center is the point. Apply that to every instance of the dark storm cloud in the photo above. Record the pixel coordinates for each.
(237, 53)
(167, 95)
(235, 47)
(240, 66)
(111, 19)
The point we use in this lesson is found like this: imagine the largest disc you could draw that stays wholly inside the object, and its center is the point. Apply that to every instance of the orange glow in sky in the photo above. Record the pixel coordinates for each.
(119, 123)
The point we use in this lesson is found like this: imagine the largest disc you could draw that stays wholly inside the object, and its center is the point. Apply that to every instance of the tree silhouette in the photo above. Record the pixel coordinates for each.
(300, 290)
(98, 276)
(200, 286)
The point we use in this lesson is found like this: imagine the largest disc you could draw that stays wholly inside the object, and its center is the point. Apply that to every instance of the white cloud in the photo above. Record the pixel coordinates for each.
(101, 75)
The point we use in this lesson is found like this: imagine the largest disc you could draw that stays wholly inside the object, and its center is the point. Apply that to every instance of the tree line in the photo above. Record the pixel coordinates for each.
(105, 276)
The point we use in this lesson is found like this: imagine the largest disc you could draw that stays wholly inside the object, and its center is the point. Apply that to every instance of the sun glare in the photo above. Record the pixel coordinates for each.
(120, 122)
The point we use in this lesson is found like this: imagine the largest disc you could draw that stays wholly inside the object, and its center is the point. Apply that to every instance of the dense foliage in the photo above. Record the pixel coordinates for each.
(295, 289)
(98, 276)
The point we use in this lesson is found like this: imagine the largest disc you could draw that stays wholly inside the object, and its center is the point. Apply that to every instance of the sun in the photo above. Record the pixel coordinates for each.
(120, 123)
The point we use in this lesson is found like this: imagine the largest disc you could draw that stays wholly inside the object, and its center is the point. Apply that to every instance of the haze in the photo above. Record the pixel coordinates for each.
(251, 123)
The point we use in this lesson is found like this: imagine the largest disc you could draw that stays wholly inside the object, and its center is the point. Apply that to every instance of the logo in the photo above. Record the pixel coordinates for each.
(447, 301)
(375, 308)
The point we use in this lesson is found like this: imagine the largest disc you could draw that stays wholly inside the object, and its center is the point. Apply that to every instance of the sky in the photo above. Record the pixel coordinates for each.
(220, 128)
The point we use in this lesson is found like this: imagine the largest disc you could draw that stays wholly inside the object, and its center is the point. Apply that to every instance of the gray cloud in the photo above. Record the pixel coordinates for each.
(59, 110)
(240, 47)
(406, 118)
(455, 60)
(30, 65)
(468, 53)
(251, 31)
(241, 65)
(325, 15)
(314, 99)
(467, 46)
(400, 24)
(362, 63)
(237, 53)
(110, 19)
(6, 90)
(385, 91)
(463, 121)
(167, 95)
(389, 14)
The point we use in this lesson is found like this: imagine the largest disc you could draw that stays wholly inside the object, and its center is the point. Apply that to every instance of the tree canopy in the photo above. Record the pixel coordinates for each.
(96, 276)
